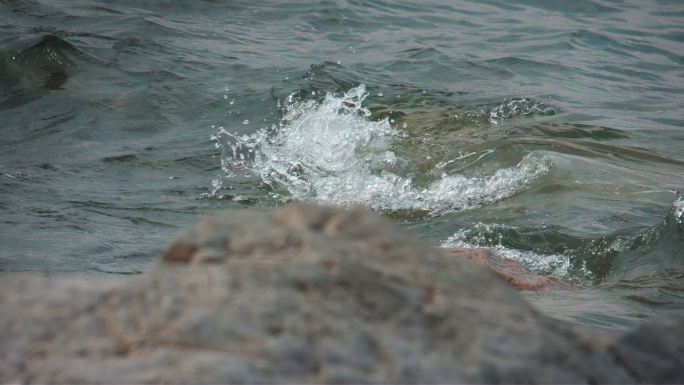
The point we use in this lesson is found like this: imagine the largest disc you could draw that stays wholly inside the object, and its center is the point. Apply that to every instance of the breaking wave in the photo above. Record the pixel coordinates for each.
(648, 252)
(331, 151)
(490, 236)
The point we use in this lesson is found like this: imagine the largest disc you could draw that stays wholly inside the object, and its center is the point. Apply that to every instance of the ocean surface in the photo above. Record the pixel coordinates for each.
(552, 131)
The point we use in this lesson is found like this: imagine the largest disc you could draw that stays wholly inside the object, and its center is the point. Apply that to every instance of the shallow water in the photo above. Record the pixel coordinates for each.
(552, 131)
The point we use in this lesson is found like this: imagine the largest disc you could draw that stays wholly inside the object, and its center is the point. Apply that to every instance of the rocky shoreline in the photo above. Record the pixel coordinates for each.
(311, 294)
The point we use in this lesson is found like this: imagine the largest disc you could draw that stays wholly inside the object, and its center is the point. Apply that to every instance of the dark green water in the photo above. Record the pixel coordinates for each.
(551, 130)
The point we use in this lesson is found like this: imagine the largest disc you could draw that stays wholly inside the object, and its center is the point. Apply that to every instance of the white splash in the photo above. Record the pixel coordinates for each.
(547, 264)
(331, 152)
(678, 209)
(515, 108)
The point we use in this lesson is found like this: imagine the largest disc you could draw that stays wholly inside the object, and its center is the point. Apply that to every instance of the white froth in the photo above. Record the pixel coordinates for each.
(678, 209)
(548, 264)
(331, 152)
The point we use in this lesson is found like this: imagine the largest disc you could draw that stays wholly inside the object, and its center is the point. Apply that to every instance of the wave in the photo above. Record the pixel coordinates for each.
(332, 152)
(650, 256)
(491, 236)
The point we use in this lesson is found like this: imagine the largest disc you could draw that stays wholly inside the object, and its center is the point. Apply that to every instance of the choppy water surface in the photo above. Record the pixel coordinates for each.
(552, 131)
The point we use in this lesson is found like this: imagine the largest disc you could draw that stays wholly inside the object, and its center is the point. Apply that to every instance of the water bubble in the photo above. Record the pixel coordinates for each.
(245, 122)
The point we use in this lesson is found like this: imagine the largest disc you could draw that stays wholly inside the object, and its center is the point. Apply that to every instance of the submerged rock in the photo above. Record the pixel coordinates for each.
(310, 295)
(510, 271)
(32, 66)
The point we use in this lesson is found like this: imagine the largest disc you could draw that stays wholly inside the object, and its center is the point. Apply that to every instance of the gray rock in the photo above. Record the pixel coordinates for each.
(303, 294)
(654, 352)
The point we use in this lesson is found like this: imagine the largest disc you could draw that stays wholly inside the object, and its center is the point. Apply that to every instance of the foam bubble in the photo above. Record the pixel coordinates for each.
(332, 152)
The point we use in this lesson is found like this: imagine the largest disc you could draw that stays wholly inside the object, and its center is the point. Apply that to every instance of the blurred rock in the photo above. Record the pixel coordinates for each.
(309, 295)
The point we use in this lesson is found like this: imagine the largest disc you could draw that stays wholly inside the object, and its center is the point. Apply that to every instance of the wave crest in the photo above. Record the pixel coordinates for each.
(333, 152)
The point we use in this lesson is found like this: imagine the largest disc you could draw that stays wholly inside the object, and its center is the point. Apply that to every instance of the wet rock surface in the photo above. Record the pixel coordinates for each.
(311, 295)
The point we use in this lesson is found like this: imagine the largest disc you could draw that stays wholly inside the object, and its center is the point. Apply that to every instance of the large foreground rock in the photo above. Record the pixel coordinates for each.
(309, 294)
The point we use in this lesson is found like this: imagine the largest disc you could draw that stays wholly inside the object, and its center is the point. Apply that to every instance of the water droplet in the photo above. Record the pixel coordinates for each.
(245, 122)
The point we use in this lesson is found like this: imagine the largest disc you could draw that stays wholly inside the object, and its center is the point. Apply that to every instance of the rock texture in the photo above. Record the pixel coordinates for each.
(308, 295)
